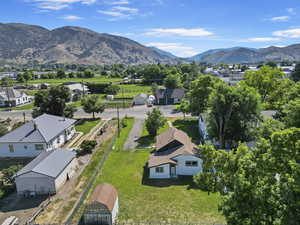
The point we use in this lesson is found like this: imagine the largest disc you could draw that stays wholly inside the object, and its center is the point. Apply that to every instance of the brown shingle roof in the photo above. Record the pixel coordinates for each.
(105, 194)
(165, 157)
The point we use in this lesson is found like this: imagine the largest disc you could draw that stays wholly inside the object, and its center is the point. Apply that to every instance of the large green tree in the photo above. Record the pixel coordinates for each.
(199, 93)
(92, 104)
(154, 121)
(258, 186)
(234, 112)
(172, 81)
(53, 101)
(296, 74)
(265, 80)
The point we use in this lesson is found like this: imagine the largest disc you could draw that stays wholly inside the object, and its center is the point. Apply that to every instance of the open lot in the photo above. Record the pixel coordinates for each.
(87, 125)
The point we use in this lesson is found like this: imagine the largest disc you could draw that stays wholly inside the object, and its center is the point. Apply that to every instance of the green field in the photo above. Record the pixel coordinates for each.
(131, 90)
(97, 79)
(87, 125)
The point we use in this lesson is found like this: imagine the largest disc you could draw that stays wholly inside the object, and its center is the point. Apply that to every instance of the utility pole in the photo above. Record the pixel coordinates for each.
(123, 97)
(118, 113)
(24, 116)
(83, 91)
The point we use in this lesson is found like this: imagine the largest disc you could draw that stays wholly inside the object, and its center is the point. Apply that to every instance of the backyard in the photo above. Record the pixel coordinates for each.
(142, 200)
(87, 125)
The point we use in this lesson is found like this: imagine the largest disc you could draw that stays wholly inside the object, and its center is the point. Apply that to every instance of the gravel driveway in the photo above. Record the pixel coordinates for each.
(135, 133)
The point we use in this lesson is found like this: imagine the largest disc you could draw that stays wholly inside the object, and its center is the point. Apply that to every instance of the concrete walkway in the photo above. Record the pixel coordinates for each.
(135, 133)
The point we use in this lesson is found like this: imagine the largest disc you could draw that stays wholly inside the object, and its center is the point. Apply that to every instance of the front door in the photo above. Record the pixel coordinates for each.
(173, 171)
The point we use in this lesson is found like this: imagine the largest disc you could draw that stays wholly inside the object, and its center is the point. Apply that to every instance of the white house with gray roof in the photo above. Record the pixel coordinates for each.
(12, 97)
(46, 173)
(44, 133)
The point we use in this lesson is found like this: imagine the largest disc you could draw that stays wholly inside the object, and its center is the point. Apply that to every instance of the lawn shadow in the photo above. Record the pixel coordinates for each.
(145, 141)
(179, 181)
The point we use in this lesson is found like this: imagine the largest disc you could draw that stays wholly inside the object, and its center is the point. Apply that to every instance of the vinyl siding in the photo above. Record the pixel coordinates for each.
(164, 175)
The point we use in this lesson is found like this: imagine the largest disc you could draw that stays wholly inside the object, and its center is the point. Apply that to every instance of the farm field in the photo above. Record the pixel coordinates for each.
(131, 90)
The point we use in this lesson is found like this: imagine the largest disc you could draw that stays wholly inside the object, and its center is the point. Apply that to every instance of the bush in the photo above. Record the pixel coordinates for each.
(87, 147)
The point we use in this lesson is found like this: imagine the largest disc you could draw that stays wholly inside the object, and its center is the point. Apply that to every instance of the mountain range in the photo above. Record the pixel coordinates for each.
(22, 43)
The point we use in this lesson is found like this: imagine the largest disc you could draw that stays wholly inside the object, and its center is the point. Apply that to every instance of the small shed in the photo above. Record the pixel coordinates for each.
(110, 97)
(140, 99)
(46, 173)
(103, 207)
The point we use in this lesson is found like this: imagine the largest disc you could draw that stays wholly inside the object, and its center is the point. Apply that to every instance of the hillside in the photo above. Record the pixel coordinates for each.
(249, 55)
(22, 43)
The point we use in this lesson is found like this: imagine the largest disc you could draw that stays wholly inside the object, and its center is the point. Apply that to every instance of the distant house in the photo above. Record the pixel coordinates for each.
(140, 99)
(46, 173)
(103, 207)
(77, 89)
(175, 155)
(44, 133)
(11, 97)
(169, 96)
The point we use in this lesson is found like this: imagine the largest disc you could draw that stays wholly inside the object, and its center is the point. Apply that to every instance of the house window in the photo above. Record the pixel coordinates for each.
(11, 148)
(25, 147)
(39, 147)
(159, 169)
(191, 163)
(58, 140)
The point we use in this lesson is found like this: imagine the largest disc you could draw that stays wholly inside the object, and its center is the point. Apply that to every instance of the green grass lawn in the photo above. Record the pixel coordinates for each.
(97, 79)
(189, 126)
(131, 90)
(120, 141)
(148, 140)
(147, 202)
(87, 125)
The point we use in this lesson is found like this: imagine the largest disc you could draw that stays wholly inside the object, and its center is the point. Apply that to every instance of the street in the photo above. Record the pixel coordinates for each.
(137, 112)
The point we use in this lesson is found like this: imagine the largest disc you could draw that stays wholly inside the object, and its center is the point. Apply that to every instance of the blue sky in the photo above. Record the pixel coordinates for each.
(183, 27)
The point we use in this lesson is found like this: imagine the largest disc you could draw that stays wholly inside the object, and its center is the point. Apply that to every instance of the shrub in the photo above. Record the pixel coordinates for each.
(87, 147)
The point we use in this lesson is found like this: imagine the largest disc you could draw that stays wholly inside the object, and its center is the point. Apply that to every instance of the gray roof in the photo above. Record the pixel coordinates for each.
(10, 92)
(50, 163)
(41, 129)
(170, 93)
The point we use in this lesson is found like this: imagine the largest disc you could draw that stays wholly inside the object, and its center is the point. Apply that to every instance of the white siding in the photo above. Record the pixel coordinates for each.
(164, 175)
(69, 170)
(182, 169)
(20, 150)
(34, 182)
(115, 211)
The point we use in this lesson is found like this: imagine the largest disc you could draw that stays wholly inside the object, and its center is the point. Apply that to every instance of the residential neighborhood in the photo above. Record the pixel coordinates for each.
(162, 112)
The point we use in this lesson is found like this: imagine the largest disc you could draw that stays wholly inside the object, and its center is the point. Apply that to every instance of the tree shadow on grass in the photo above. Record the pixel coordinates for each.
(145, 141)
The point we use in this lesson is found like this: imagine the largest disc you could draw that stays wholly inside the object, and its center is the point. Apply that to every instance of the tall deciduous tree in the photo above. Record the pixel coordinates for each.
(172, 81)
(265, 80)
(154, 121)
(52, 101)
(199, 93)
(296, 74)
(92, 104)
(234, 112)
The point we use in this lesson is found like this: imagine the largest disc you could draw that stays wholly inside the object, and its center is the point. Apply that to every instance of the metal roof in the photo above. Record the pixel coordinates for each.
(49, 163)
(41, 129)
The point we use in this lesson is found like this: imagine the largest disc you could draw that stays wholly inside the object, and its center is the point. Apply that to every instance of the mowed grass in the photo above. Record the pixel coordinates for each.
(145, 203)
(131, 90)
(87, 125)
(96, 79)
(120, 141)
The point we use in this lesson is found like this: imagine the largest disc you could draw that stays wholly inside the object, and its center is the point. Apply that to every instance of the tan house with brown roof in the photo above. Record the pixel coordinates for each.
(175, 155)
(103, 207)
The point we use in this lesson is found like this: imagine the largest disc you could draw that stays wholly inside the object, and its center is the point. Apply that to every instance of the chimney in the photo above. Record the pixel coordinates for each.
(34, 126)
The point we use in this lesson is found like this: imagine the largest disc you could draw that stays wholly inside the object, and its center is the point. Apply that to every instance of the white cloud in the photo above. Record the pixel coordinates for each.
(121, 2)
(58, 4)
(280, 19)
(178, 49)
(290, 33)
(261, 39)
(119, 12)
(71, 17)
(198, 32)
(291, 11)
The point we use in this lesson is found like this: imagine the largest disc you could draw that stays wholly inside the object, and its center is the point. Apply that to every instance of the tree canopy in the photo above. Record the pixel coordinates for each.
(92, 104)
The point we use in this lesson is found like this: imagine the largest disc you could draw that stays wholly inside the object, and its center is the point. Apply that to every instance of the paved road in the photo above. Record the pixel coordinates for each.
(137, 112)
(135, 133)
